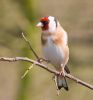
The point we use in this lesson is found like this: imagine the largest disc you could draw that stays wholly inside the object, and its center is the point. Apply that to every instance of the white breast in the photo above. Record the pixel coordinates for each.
(53, 53)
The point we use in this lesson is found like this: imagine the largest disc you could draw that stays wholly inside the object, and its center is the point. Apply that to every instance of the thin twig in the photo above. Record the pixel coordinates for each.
(30, 45)
(46, 68)
(26, 72)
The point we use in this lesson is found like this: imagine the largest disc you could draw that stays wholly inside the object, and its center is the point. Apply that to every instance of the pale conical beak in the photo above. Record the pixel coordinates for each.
(39, 24)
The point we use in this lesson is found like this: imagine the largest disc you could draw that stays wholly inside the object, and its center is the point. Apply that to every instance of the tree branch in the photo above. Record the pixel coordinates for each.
(39, 64)
(46, 68)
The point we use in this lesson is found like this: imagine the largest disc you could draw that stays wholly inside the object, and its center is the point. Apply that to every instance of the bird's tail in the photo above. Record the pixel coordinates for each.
(61, 82)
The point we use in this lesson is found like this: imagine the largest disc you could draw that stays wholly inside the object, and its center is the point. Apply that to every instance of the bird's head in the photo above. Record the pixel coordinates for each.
(48, 24)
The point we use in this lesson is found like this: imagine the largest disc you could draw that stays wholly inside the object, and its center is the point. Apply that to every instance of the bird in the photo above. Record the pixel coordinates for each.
(54, 41)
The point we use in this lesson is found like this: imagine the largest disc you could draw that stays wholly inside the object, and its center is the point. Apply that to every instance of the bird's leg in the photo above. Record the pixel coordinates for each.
(62, 72)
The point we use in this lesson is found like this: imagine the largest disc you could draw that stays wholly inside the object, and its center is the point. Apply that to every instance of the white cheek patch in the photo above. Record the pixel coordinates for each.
(52, 26)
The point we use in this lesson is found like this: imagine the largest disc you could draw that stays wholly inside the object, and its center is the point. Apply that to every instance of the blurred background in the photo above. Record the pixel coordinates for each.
(17, 16)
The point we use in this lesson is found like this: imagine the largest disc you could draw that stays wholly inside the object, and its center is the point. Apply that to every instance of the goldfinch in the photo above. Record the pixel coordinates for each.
(54, 42)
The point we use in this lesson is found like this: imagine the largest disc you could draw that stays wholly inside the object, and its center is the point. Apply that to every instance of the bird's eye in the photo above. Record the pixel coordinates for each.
(45, 22)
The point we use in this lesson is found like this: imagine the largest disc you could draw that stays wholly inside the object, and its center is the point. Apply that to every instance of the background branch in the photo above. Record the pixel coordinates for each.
(46, 68)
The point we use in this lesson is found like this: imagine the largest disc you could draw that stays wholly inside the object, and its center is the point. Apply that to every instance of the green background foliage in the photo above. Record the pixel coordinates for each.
(18, 16)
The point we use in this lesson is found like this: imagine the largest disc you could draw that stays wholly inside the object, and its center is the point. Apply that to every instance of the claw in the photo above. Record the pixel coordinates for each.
(62, 73)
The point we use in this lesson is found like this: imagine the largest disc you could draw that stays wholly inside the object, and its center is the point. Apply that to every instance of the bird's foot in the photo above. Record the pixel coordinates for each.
(62, 72)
